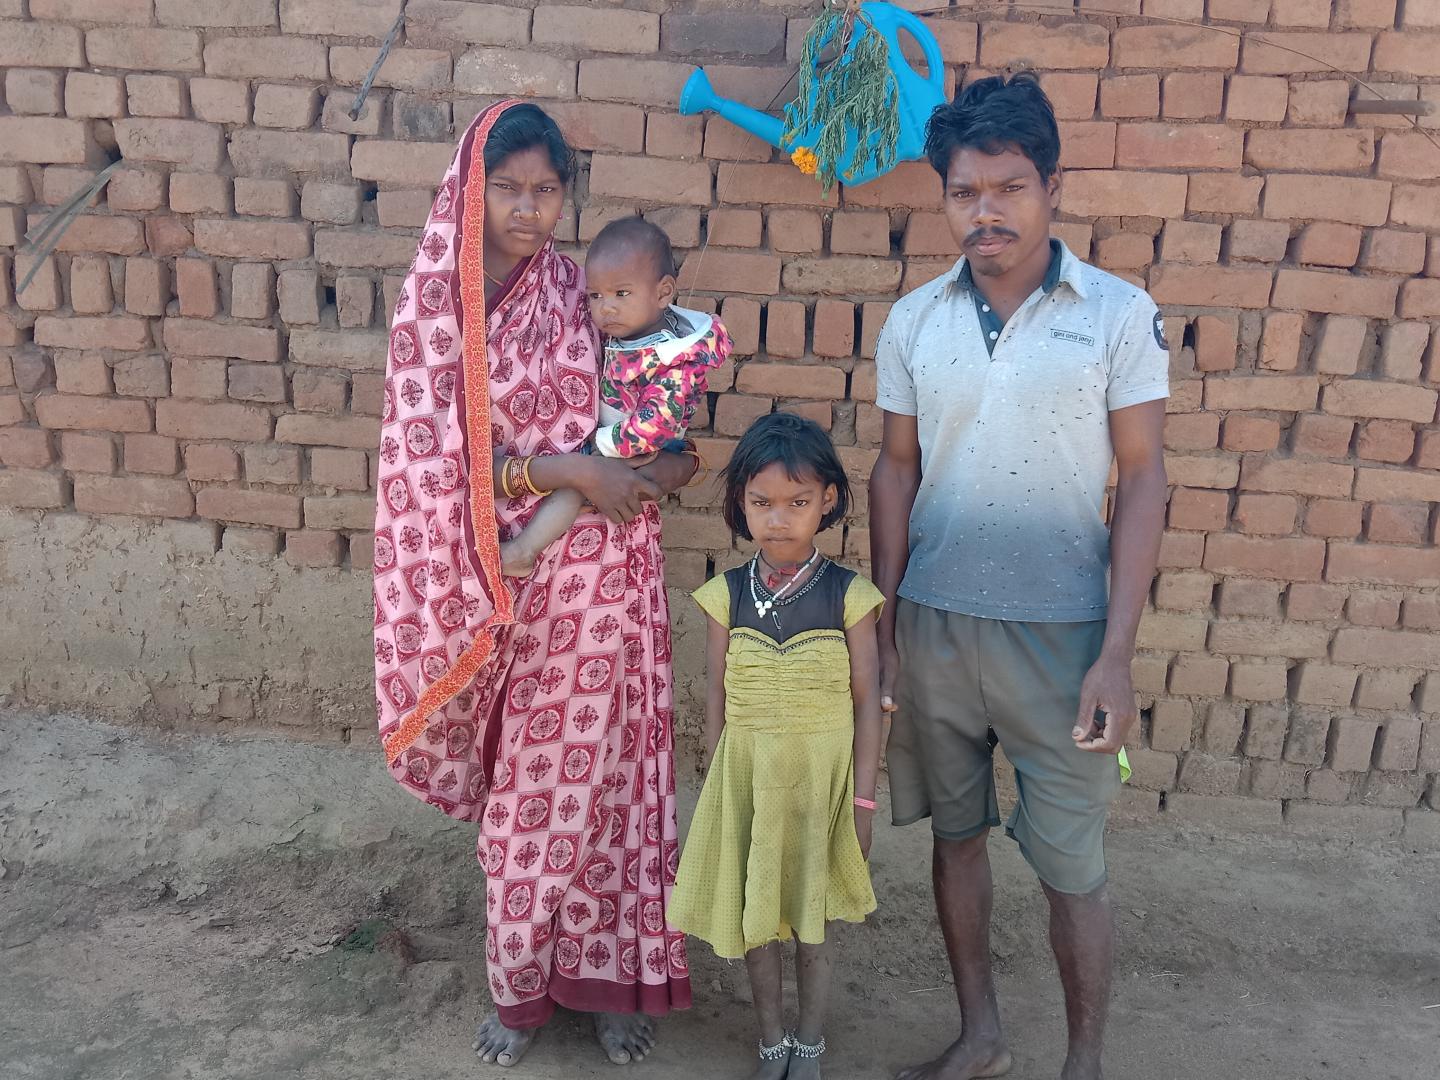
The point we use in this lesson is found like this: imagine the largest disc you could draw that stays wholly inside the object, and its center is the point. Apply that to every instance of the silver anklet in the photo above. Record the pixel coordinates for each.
(804, 1050)
(779, 1051)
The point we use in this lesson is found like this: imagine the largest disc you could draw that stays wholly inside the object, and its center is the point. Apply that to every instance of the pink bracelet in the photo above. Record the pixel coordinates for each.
(864, 804)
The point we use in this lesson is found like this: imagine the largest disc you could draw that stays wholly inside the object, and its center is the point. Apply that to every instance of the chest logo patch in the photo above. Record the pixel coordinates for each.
(1071, 335)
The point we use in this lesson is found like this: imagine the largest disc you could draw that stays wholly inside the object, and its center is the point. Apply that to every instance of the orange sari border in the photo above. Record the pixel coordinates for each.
(475, 357)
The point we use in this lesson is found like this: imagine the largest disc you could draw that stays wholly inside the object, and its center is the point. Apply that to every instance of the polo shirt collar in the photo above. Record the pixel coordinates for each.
(1064, 267)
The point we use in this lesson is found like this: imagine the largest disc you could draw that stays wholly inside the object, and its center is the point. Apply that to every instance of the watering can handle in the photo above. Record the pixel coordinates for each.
(934, 58)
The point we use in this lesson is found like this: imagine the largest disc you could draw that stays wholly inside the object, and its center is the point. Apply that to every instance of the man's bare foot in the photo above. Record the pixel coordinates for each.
(516, 560)
(774, 1070)
(498, 1045)
(963, 1060)
(625, 1037)
(1081, 1067)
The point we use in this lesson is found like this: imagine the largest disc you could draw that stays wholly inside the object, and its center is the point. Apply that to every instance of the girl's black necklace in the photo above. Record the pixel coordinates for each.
(767, 603)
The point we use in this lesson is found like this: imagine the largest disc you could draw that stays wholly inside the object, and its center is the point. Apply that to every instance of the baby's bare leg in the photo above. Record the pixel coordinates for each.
(557, 513)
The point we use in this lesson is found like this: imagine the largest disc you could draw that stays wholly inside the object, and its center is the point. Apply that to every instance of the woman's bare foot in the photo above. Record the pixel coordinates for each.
(963, 1060)
(625, 1037)
(801, 1067)
(498, 1045)
(516, 559)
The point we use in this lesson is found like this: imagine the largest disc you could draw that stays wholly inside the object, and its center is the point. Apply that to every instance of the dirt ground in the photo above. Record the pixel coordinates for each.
(185, 908)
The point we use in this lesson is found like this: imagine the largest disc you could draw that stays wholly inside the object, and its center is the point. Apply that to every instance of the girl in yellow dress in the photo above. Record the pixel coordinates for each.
(780, 839)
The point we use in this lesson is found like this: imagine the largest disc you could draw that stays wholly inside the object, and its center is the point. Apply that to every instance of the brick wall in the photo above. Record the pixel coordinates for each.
(205, 351)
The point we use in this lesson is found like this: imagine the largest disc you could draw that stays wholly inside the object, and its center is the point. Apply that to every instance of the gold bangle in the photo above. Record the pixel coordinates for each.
(507, 480)
(530, 483)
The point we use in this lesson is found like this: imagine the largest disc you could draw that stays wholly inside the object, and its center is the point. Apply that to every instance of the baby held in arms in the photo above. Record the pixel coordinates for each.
(654, 369)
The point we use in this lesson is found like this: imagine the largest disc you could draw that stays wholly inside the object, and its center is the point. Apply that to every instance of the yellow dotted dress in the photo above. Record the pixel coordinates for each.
(772, 850)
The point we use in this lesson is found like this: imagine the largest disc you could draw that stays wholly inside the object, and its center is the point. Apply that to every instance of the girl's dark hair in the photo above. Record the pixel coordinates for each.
(994, 115)
(524, 127)
(800, 445)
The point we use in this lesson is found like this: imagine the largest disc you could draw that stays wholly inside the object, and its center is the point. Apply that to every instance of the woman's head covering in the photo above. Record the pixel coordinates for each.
(439, 593)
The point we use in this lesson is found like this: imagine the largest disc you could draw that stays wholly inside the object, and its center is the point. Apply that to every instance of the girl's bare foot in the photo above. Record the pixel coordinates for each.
(516, 560)
(963, 1060)
(776, 1069)
(625, 1037)
(495, 1044)
(805, 1059)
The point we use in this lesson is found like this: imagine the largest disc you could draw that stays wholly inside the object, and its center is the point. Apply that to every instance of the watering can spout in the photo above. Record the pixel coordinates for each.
(699, 95)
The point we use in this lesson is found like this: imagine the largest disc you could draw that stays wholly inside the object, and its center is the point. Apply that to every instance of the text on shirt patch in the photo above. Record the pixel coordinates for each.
(1071, 335)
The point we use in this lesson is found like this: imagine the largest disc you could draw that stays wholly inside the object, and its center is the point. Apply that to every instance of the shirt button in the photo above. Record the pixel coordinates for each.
(993, 335)
(985, 307)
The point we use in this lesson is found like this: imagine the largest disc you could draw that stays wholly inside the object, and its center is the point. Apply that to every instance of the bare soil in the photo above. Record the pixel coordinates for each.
(197, 907)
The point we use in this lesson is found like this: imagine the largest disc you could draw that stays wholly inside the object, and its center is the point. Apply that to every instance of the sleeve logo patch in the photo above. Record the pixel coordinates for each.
(1159, 327)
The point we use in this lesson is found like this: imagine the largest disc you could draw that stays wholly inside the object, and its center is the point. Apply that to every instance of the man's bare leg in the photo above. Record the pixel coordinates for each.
(763, 967)
(557, 513)
(625, 1037)
(1082, 933)
(498, 1045)
(963, 895)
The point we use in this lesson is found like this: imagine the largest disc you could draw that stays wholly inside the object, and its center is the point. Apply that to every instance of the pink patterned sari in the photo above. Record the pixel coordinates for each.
(541, 708)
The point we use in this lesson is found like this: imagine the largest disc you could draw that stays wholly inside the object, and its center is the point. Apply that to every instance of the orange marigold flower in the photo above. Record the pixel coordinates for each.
(805, 160)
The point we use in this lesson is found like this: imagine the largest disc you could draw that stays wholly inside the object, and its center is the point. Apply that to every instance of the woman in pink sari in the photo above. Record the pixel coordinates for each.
(538, 708)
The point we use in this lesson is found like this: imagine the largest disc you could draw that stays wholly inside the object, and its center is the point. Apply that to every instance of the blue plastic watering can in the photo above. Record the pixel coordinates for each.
(918, 97)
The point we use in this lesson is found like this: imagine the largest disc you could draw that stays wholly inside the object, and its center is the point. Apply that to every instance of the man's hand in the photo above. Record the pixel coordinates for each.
(864, 823)
(1107, 688)
(889, 675)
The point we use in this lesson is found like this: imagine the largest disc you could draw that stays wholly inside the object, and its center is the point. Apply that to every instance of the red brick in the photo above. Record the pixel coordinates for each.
(1280, 341)
(1169, 632)
(211, 461)
(167, 235)
(1192, 431)
(1283, 559)
(1217, 343)
(834, 328)
(82, 453)
(290, 107)
(151, 454)
(316, 391)
(1186, 146)
(346, 470)
(25, 448)
(147, 286)
(841, 275)
(257, 382)
(1199, 510)
(1115, 193)
(1190, 242)
(220, 101)
(429, 70)
(352, 512)
(1345, 51)
(196, 337)
(357, 18)
(791, 380)
(197, 288)
(1291, 476)
(1397, 485)
(82, 373)
(1323, 436)
(1073, 45)
(1203, 471)
(361, 432)
(190, 143)
(277, 58)
(1181, 550)
(441, 23)
(137, 189)
(1272, 515)
(1338, 348)
(1251, 637)
(155, 95)
(1325, 684)
(1351, 200)
(1408, 53)
(643, 82)
(1167, 47)
(28, 90)
(1326, 243)
(1130, 96)
(1072, 93)
(249, 507)
(1126, 251)
(1257, 97)
(730, 272)
(46, 140)
(1408, 155)
(1193, 95)
(1198, 674)
(1338, 294)
(1170, 725)
(1367, 607)
(1386, 440)
(1421, 612)
(258, 152)
(112, 12)
(311, 548)
(1387, 401)
(734, 228)
(1402, 350)
(1429, 454)
(1210, 286)
(1399, 747)
(1325, 103)
(1384, 565)
(1249, 597)
(1333, 518)
(735, 412)
(1415, 205)
(65, 411)
(1420, 299)
(272, 464)
(252, 291)
(252, 239)
(251, 543)
(1225, 193)
(1258, 681)
(197, 420)
(868, 232)
(910, 185)
(1388, 647)
(136, 496)
(794, 231)
(1183, 590)
(1281, 393)
(1352, 743)
(1333, 150)
(1315, 603)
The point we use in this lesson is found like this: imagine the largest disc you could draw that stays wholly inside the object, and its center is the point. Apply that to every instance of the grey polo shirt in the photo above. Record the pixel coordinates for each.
(1014, 430)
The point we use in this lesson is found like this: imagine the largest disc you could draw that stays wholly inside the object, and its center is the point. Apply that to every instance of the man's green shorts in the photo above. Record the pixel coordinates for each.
(962, 678)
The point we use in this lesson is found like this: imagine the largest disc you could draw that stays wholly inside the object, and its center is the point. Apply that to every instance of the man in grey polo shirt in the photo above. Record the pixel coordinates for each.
(1009, 385)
